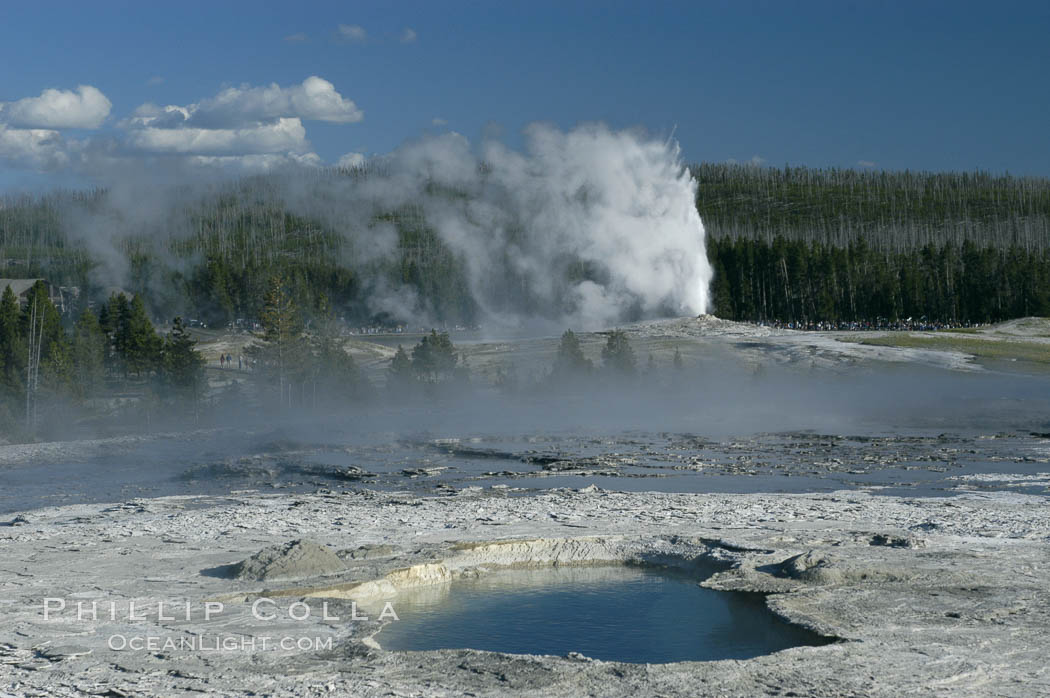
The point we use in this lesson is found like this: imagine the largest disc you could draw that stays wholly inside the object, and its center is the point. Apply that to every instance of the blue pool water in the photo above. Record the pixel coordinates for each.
(612, 613)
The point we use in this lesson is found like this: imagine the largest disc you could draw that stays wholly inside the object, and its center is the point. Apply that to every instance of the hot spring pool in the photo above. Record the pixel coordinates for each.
(625, 614)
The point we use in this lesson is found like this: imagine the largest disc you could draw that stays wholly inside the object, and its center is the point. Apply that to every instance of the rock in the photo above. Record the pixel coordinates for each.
(897, 541)
(60, 652)
(815, 567)
(297, 559)
(367, 552)
(422, 472)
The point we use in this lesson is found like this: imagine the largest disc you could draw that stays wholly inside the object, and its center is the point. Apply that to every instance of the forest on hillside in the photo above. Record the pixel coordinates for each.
(809, 246)
(210, 257)
(787, 244)
(809, 283)
(890, 211)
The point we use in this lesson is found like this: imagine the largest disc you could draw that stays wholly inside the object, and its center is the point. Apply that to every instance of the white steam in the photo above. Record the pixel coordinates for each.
(585, 228)
(616, 203)
(618, 200)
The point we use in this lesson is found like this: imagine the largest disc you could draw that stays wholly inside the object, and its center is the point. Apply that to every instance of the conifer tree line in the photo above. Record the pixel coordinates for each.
(830, 246)
(790, 244)
(809, 282)
(432, 367)
(49, 375)
(890, 211)
(52, 379)
(618, 363)
(212, 258)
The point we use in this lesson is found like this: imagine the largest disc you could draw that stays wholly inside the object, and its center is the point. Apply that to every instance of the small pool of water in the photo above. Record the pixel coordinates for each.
(619, 613)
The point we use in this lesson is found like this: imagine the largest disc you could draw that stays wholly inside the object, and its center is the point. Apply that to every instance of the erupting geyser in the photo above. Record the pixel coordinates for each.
(584, 228)
(592, 223)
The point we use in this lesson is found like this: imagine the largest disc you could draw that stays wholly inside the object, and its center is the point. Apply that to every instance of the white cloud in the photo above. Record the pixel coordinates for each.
(155, 80)
(409, 36)
(438, 121)
(351, 160)
(296, 38)
(35, 149)
(86, 107)
(353, 32)
(150, 114)
(284, 135)
(248, 128)
(865, 163)
(261, 162)
(315, 99)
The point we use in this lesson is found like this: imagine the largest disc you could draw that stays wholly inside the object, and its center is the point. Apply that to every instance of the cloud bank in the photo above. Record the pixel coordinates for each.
(34, 149)
(30, 128)
(314, 99)
(282, 135)
(262, 125)
(86, 107)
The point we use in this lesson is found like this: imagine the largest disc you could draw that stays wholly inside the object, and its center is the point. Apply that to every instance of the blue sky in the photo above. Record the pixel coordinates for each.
(920, 85)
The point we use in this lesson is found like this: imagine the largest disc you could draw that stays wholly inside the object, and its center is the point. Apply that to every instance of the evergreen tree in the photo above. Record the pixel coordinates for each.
(211, 289)
(434, 358)
(617, 355)
(721, 291)
(281, 320)
(89, 354)
(570, 361)
(105, 320)
(13, 351)
(183, 364)
(400, 375)
(281, 357)
(335, 375)
(141, 346)
(117, 326)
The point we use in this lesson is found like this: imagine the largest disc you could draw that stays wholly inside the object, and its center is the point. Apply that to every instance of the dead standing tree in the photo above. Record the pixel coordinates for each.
(36, 339)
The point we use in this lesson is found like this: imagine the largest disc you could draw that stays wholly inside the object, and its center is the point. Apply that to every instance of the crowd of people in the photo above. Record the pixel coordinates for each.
(243, 362)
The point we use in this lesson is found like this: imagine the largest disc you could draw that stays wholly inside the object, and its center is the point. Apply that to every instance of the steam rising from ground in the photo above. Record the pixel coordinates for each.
(586, 228)
(616, 206)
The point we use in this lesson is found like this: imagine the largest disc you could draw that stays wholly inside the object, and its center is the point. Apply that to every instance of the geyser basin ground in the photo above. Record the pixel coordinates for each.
(942, 596)
(932, 596)
(616, 613)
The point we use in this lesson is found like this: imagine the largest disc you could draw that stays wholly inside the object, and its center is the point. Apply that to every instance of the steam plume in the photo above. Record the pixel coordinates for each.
(586, 228)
